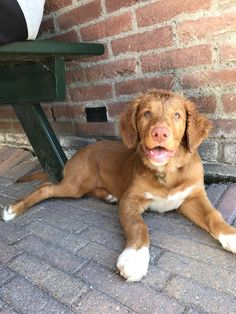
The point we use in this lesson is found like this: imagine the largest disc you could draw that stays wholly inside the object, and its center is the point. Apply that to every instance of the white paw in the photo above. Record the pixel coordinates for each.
(228, 242)
(8, 214)
(133, 264)
(111, 199)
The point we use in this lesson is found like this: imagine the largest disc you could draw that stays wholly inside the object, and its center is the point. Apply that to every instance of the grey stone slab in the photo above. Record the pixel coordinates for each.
(68, 241)
(218, 173)
(209, 275)
(100, 254)
(156, 277)
(57, 257)
(191, 293)
(95, 301)
(27, 298)
(128, 294)
(192, 249)
(5, 275)
(7, 252)
(227, 206)
(61, 286)
(215, 192)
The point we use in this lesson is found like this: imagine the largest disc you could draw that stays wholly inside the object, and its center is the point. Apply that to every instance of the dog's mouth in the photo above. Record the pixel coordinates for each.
(159, 154)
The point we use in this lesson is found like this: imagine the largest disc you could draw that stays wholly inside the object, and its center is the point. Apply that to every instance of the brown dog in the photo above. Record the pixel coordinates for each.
(157, 168)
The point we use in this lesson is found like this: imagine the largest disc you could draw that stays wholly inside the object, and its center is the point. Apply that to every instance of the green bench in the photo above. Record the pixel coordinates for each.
(32, 72)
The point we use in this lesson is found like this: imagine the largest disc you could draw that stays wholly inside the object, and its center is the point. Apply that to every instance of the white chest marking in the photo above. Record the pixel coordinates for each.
(166, 204)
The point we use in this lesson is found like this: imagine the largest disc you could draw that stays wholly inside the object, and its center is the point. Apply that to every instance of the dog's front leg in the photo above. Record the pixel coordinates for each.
(133, 261)
(201, 212)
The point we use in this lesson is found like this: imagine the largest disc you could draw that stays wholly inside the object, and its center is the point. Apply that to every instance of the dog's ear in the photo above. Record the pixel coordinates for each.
(128, 125)
(197, 126)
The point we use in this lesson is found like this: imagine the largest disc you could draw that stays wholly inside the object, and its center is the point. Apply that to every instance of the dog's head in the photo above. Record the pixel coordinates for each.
(159, 122)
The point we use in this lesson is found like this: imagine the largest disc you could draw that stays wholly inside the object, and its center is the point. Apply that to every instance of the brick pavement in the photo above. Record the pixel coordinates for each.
(60, 258)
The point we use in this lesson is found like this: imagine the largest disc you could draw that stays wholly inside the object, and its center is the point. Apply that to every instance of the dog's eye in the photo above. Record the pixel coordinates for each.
(147, 114)
(177, 116)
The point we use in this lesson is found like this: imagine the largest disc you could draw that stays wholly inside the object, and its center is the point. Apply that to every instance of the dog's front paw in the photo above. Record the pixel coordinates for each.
(8, 214)
(228, 242)
(133, 264)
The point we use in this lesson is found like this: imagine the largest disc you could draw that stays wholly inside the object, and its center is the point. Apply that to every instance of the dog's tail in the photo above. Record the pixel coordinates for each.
(40, 176)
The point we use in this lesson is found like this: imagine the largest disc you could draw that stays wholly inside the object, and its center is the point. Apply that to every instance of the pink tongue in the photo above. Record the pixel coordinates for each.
(158, 154)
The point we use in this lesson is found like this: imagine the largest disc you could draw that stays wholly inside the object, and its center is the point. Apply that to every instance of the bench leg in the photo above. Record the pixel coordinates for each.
(42, 138)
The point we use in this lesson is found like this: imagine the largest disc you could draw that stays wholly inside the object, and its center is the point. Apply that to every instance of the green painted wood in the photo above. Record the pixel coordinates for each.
(32, 81)
(41, 49)
(42, 138)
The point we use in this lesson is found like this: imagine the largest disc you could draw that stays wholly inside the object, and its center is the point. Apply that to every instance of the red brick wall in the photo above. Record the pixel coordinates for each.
(184, 45)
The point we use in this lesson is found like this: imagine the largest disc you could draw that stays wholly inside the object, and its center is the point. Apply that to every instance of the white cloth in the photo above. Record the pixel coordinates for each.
(33, 12)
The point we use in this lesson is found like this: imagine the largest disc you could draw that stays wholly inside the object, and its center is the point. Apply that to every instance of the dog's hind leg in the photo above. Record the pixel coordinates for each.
(62, 189)
(103, 194)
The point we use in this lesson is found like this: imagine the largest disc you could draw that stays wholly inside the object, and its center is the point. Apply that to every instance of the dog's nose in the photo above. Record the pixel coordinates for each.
(160, 134)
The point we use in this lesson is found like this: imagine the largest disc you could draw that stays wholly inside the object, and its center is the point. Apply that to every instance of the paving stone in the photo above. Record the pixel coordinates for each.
(27, 298)
(129, 294)
(215, 192)
(8, 310)
(227, 205)
(95, 301)
(11, 232)
(63, 239)
(156, 277)
(7, 252)
(100, 254)
(108, 238)
(208, 299)
(63, 287)
(195, 250)
(5, 275)
(55, 256)
(211, 276)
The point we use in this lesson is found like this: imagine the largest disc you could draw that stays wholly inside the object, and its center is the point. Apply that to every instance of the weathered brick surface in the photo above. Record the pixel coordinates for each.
(61, 259)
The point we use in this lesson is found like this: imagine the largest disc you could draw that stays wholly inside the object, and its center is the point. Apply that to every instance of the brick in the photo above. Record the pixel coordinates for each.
(163, 11)
(102, 303)
(141, 85)
(7, 252)
(52, 6)
(120, 68)
(74, 75)
(230, 153)
(227, 204)
(100, 254)
(178, 58)
(7, 112)
(61, 286)
(211, 276)
(193, 249)
(96, 92)
(94, 129)
(27, 298)
(68, 241)
(228, 101)
(77, 112)
(80, 15)
(57, 257)
(47, 26)
(215, 192)
(60, 112)
(70, 36)
(207, 27)
(220, 78)
(224, 128)
(5, 276)
(62, 127)
(227, 51)
(156, 277)
(118, 4)
(115, 109)
(209, 151)
(112, 26)
(205, 104)
(157, 38)
(104, 237)
(205, 298)
(128, 294)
